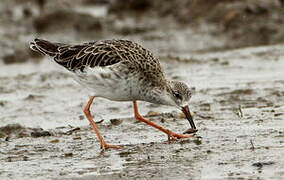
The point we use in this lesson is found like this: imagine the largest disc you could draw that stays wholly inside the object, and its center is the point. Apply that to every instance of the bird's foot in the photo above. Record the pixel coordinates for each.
(175, 136)
(106, 146)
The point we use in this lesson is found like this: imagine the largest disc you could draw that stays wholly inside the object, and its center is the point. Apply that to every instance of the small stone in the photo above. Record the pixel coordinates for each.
(116, 122)
(68, 154)
(197, 141)
(40, 134)
(261, 164)
(54, 141)
(152, 113)
(77, 138)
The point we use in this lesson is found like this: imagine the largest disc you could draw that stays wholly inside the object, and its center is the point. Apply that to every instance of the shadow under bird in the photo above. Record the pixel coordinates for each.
(120, 70)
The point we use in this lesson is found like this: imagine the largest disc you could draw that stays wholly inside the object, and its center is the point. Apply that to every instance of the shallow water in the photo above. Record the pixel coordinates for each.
(238, 107)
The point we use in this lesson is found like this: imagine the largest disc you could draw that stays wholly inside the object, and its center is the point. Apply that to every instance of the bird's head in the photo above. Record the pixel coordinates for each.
(177, 94)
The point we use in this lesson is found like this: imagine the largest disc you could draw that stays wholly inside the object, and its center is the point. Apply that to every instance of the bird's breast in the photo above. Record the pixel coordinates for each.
(110, 83)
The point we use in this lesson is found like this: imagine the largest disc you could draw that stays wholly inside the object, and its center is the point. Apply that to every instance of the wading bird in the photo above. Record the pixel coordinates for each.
(120, 70)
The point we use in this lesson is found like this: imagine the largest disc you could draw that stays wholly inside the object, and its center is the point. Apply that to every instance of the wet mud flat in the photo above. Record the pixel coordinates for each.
(238, 107)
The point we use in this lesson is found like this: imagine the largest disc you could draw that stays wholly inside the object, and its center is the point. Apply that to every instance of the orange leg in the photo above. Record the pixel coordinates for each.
(88, 114)
(167, 131)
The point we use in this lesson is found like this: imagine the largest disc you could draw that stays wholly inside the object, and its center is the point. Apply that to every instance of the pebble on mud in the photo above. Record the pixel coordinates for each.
(77, 138)
(32, 97)
(68, 154)
(208, 151)
(54, 141)
(69, 132)
(40, 134)
(197, 141)
(278, 114)
(261, 164)
(152, 113)
(116, 122)
(125, 153)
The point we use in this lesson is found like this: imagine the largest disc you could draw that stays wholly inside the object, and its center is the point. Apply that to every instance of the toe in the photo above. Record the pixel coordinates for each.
(110, 146)
(178, 136)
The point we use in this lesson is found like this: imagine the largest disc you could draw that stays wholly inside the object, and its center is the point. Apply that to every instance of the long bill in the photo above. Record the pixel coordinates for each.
(188, 116)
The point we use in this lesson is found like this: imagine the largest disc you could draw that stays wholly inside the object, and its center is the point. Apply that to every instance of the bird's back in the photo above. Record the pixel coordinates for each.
(103, 54)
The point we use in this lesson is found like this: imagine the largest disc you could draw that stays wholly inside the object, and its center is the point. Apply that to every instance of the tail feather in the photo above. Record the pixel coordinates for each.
(44, 47)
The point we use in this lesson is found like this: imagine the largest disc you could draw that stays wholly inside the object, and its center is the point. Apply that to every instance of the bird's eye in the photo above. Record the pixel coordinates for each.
(177, 95)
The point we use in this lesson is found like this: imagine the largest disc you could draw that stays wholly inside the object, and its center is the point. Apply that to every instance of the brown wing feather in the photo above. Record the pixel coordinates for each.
(104, 53)
(75, 57)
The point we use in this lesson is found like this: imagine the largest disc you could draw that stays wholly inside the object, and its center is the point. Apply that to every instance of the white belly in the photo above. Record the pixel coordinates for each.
(102, 82)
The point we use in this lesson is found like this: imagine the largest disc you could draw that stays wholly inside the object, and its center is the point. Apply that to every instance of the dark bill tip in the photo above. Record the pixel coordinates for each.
(188, 116)
(190, 131)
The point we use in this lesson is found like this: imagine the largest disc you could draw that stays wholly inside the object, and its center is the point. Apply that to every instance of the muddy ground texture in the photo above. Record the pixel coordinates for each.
(238, 108)
(183, 25)
(238, 100)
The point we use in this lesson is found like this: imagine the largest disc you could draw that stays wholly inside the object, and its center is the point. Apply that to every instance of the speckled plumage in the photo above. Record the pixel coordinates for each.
(119, 70)
(118, 65)
(104, 53)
